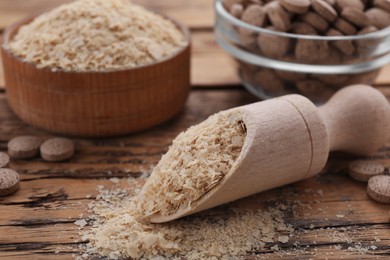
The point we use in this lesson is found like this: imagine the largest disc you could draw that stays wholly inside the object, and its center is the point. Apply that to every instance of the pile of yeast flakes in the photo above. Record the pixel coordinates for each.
(118, 231)
(195, 163)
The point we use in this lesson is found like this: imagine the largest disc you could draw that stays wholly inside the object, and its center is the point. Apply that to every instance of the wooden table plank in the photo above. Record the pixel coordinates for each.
(197, 14)
(2, 83)
(384, 76)
(211, 66)
(58, 200)
(331, 213)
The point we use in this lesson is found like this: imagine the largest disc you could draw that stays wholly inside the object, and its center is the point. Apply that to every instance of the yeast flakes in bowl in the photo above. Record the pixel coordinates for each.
(97, 68)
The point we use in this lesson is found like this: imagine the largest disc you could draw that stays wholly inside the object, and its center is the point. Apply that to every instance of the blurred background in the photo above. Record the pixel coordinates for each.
(211, 66)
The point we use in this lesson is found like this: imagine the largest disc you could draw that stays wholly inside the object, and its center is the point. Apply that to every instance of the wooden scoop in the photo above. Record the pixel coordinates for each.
(289, 139)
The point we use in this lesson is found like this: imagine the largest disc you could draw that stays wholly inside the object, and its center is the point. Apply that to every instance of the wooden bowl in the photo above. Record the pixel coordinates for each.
(97, 104)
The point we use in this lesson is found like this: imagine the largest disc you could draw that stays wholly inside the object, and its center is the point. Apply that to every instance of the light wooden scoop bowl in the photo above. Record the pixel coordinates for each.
(289, 139)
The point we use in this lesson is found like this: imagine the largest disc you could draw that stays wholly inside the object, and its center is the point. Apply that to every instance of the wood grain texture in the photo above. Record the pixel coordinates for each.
(2, 83)
(384, 76)
(331, 213)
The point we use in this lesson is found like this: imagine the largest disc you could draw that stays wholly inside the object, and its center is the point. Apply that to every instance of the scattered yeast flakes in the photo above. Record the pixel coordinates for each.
(219, 233)
(118, 231)
(96, 35)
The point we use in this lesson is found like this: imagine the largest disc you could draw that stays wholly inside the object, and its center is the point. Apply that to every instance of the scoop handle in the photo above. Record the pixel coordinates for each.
(357, 119)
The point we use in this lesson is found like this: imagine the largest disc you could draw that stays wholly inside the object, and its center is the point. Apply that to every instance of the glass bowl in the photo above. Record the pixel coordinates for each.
(273, 63)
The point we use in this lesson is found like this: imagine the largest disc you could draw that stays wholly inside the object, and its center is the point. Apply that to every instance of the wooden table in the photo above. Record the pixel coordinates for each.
(332, 215)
